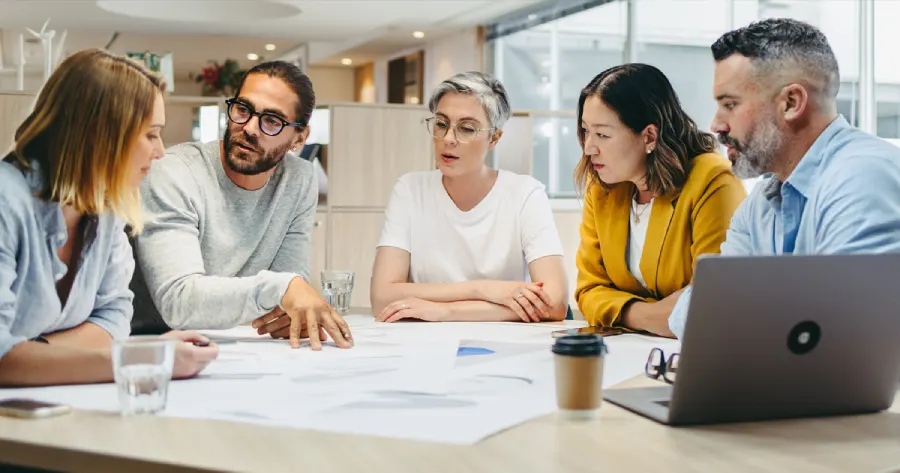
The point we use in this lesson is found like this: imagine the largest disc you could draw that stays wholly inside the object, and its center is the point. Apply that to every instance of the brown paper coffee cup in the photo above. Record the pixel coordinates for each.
(578, 364)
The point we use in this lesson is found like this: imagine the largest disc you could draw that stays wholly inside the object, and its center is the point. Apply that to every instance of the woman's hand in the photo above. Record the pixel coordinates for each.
(189, 359)
(413, 308)
(528, 300)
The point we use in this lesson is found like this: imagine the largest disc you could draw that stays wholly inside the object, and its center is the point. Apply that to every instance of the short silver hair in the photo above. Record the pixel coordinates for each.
(785, 47)
(489, 92)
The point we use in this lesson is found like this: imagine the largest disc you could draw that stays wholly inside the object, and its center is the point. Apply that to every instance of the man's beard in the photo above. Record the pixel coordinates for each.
(242, 162)
(754, 157)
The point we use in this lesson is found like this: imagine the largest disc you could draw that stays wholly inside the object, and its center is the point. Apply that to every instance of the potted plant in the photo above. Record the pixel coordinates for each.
(220, 79)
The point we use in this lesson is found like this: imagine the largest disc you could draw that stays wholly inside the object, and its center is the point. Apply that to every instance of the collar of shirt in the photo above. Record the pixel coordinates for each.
(50, 213)
(803, 177)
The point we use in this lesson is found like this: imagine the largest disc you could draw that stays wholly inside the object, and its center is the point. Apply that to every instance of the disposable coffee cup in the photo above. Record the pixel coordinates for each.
(578, 364)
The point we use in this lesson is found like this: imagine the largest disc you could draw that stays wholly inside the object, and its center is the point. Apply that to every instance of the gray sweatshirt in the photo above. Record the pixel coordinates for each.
(213, 255)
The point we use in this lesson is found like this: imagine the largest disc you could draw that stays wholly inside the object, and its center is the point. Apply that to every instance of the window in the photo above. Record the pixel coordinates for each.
(545, 66)
(887, 69)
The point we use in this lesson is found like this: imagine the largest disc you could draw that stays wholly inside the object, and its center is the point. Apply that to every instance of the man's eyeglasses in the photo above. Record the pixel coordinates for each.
(657, 365)
(269, 123)
(465, 132)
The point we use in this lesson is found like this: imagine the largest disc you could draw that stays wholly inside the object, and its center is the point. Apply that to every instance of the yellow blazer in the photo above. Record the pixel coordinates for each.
(682, 227)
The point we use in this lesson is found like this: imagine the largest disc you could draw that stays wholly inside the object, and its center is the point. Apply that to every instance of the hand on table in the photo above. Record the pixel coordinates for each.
(278, 325)
(413, 308)
(306, 312)
(190, 359)
(652, 317)
(527, 300)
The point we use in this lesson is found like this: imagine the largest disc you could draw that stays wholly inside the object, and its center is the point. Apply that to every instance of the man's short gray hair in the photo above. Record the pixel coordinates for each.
(489, 92)
(783, 45)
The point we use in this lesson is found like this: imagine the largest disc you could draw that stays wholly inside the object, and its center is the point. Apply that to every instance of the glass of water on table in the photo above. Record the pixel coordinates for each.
(142, 367)
(337, 286)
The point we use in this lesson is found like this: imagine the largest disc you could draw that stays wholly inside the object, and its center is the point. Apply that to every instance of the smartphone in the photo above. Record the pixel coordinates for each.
(31, 409)
(604, 331)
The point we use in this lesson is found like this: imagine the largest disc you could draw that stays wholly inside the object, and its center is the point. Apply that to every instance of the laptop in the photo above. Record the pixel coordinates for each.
(779, 337)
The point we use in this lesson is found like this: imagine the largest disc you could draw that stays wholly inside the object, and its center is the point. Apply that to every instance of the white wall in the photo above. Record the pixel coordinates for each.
(8, 81)
(445, 56)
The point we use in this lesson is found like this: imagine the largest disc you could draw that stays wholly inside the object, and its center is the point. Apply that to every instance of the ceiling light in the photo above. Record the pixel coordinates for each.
(418, 34)
(270, 47)
(252, 57)
(346, 61)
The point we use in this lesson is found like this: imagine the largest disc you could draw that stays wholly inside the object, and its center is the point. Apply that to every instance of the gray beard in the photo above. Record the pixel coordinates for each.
(755, 158)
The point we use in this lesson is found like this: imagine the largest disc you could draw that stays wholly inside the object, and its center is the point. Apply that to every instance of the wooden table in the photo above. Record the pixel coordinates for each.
(617, 441)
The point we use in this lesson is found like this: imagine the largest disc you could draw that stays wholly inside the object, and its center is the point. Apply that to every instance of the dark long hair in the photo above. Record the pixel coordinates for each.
(641, 95)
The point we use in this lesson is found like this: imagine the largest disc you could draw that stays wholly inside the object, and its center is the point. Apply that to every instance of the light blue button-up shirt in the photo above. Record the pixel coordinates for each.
(843, 197)
(31, 232)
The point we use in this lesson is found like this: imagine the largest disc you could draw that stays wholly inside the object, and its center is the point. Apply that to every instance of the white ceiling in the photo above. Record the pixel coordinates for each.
(196, 31)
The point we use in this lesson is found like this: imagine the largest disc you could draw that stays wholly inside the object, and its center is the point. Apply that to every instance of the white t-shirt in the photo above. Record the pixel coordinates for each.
(637, 235)
(512, 226)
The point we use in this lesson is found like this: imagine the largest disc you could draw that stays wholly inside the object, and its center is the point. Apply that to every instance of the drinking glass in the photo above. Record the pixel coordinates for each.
(142, 367)
(337, 286)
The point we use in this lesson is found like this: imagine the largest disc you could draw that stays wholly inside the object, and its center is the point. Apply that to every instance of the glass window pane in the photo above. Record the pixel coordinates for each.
(675, 36)
(523, 64)
(887, 69)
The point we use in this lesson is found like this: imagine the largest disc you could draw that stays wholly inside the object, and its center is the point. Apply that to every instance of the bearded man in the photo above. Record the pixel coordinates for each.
(828, 188)
(227, 235)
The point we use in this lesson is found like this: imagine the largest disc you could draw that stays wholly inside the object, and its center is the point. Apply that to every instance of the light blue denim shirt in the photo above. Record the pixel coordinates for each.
(843, 197)
(31, 232)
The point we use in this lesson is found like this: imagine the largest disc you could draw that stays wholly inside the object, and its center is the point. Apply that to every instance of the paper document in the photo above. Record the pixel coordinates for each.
(441, 382)
(426, 368)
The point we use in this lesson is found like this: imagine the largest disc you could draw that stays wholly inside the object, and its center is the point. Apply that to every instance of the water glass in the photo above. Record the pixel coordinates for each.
(337, 286)
(142, 367)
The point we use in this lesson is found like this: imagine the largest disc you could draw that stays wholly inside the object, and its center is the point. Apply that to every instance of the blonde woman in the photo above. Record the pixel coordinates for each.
(67, 191)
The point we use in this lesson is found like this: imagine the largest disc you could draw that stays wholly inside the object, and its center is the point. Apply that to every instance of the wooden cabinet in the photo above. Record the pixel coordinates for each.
(354, 235)
(567, 224)
(319, 248)
(371, 146)
(14, 109)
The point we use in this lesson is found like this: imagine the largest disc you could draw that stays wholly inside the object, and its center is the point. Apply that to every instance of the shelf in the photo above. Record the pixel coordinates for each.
(195, 99)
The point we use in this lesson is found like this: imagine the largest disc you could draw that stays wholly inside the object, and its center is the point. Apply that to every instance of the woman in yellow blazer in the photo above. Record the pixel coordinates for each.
(657, 196)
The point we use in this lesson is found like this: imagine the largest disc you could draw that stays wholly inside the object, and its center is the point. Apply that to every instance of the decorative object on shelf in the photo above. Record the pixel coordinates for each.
(220, 79)
(46, 38)
(161, 63)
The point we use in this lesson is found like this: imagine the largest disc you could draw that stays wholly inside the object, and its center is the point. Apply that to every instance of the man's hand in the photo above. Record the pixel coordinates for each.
(309, 313)
(272, 323)
(278, 325)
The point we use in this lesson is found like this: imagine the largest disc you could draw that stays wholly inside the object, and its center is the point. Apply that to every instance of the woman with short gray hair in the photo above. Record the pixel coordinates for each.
(466, 242)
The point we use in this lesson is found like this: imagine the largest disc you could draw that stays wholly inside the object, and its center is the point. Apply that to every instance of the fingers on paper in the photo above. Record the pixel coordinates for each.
(312, 326)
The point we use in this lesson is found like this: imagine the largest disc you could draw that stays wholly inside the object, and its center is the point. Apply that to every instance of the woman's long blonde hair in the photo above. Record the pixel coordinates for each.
(81, 133)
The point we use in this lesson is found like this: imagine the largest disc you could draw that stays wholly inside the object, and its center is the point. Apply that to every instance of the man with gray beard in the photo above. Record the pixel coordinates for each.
(228, 224)
(829, 188)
